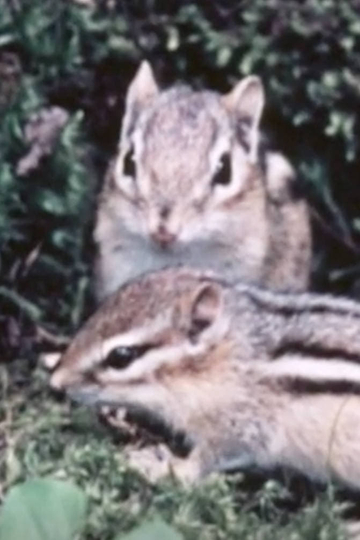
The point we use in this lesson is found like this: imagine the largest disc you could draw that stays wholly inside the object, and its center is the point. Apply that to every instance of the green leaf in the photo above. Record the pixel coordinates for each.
(42, 509)
(153, 530)
(173, 40)
(223, 56)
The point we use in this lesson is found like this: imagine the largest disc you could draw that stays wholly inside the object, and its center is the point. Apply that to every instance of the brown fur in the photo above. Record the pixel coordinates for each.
(255, 229)
(229, 386)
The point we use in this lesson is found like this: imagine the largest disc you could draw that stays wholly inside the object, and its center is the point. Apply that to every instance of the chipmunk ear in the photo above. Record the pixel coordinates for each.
(247, 100)
(143, 88)
(205, 309)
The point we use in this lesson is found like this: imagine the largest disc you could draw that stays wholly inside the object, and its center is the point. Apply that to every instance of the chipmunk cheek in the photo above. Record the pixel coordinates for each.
(91, 378)
(103, 378)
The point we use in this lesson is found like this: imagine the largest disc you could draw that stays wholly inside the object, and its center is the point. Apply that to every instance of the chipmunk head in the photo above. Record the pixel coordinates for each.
(148, 333)
(185, 157)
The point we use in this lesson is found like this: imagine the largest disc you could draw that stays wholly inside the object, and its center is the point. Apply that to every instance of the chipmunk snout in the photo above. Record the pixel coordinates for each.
(57, 382)
(163, 236)
(57, 388)
(50, 361)
(162, 229)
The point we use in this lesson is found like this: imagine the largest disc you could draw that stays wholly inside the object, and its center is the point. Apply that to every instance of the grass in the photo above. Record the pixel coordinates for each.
(42, 437)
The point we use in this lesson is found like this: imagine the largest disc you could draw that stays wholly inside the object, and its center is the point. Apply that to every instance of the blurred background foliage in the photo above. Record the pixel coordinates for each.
(80, 56)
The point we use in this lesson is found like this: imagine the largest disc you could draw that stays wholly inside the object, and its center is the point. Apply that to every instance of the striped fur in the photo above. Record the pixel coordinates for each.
(248, 377)
(193, 183)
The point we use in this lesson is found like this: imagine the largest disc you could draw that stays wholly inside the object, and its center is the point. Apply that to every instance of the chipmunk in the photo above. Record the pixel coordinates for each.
(234, 376)
(192, 184)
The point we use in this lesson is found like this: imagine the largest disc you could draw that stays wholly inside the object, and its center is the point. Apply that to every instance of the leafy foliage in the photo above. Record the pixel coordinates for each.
(41, 509)
(152, 531)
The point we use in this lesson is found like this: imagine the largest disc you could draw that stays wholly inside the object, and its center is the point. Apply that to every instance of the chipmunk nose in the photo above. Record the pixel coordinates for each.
(163, 236)
(57, 382)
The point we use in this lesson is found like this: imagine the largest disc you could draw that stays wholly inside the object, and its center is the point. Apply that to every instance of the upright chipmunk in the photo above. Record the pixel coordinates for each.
(236, 376)
(192, 184)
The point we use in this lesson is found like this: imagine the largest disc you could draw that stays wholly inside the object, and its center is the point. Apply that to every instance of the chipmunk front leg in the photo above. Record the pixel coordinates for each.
(157, 461)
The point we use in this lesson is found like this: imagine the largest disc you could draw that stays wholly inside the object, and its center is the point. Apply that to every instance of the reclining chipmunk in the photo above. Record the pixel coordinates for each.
(193, 184)
(235, 376)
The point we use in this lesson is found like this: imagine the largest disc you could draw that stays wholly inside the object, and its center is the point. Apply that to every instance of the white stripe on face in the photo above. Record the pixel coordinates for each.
(135, 337)
(153, 360)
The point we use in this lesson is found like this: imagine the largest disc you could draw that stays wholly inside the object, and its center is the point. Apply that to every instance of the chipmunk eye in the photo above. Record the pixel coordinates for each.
(122, 357)
(129, 163)
(222, 175)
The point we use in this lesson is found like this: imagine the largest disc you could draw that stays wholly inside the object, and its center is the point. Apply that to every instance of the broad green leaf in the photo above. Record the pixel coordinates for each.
(42, 509)
(153, 530)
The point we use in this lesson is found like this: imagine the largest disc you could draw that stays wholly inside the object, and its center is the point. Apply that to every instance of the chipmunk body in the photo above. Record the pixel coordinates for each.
(192, 185)
(236, 376)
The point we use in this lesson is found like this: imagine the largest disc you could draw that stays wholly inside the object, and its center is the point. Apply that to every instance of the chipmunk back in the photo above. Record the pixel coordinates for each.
(238, 377)
(192, 184)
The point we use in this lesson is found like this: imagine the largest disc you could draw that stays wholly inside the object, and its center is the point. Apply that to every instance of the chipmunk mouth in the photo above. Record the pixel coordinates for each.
(154, 423)
(179, 442)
